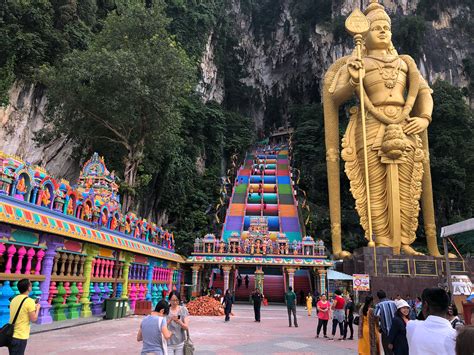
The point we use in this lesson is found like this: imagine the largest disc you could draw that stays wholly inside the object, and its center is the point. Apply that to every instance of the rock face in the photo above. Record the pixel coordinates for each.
(19, 122)
(282, 63)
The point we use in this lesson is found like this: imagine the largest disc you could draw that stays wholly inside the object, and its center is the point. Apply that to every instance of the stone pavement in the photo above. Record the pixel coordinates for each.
(211, 335)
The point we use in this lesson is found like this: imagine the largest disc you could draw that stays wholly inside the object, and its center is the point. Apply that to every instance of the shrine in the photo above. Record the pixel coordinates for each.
(75, 245)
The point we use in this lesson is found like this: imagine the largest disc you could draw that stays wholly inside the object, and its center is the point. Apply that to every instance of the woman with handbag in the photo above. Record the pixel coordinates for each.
(154, 331)
(178, 323)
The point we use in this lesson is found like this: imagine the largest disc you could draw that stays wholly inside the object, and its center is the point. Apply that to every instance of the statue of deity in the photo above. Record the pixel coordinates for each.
(398, 108)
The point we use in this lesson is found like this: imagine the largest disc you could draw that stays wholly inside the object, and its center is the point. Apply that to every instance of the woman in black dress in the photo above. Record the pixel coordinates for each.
(227, 302)
(397, 337)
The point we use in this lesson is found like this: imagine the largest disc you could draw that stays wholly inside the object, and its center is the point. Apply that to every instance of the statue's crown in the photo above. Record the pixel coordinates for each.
(376, 11)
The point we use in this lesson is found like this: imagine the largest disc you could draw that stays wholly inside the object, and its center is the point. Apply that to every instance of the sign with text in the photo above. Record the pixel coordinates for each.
(426, 268)
(462, 285)
(361, 282)
(455, 266)
(398, 267)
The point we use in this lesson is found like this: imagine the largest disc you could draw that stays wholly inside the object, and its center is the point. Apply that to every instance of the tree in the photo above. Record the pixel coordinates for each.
(123, 90)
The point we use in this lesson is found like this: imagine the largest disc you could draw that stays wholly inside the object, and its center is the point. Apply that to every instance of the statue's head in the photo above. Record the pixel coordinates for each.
(380, 32)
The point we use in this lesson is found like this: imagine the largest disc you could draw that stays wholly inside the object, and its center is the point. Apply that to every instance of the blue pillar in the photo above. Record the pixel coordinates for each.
(5, 293)
(149, 277)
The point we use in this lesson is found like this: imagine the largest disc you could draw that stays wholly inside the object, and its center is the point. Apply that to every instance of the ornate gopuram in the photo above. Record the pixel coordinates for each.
(75, 245)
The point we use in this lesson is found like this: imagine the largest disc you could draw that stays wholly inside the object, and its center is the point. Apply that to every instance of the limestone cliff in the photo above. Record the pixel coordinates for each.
(282, 53)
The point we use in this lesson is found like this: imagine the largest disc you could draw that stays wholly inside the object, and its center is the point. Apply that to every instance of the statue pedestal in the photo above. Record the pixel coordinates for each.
(401, 274)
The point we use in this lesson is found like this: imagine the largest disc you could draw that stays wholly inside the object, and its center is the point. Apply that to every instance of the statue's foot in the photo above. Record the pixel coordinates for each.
(342, 254)
(452, 256)
(408, 250)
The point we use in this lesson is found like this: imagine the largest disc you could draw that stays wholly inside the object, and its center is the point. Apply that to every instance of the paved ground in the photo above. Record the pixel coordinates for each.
(211, 335)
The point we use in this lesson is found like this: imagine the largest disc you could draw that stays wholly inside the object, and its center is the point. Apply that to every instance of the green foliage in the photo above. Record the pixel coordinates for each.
(310, 158)
(431, 9)
(124, 89)
(408, 35)
(191, 22)
(451, 137)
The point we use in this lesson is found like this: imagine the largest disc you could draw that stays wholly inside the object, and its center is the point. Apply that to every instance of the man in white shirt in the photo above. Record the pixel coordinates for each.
(434, 335)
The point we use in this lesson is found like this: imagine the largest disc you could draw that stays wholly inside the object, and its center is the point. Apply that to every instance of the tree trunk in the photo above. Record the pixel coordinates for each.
(131, 162)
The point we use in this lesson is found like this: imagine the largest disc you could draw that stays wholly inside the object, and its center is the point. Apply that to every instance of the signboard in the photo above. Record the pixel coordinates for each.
(456, 266)
(426, 268)
(462, 285)
(398, 267)
(361, 282)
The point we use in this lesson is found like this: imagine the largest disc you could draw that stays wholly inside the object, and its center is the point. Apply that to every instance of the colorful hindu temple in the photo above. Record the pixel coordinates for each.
(75, 244)
(262, 236)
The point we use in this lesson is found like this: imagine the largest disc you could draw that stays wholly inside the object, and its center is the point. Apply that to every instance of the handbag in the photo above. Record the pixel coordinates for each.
(6, 332)
(356, 320)
(163, 339)
(188, 347)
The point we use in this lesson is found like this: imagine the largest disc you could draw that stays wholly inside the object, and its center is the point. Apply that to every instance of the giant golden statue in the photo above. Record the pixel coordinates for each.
(389, 141)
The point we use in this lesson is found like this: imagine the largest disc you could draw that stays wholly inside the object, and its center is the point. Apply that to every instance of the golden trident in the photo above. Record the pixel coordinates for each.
(357, 25)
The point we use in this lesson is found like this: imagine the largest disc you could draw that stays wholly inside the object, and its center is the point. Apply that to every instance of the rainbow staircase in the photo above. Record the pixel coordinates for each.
(263, 188)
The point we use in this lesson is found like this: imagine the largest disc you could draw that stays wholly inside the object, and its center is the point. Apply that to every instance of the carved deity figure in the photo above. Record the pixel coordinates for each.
(45, 197)
(21, 186)
(398, 108)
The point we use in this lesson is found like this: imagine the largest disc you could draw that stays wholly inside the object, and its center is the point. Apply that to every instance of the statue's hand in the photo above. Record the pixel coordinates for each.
(416, 125)
(353, 67)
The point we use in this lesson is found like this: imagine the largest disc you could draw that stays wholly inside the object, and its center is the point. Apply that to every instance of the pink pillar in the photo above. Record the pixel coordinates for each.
(111, 269)
(102, 266)
(93, 272)
(29, 255)
(2, 249)
(98, 263)
(81, 291)
(106, 268)
(11, 251)
(39, 260)
(52, 291)
(21, 255)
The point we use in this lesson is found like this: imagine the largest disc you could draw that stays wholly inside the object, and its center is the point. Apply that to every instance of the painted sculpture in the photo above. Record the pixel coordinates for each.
(387, 163)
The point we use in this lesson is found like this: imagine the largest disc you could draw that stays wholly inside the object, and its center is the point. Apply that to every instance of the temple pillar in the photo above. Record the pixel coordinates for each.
(196, 269)
(151, 267)
(322, 281)
(126, 268)
(91, 250)
(170, 280)
(259, 278)
(226, 270)
(52, 243)
(291, 277)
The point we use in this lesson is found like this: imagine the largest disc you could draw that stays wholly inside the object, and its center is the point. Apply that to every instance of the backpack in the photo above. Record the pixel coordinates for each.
(6, 332)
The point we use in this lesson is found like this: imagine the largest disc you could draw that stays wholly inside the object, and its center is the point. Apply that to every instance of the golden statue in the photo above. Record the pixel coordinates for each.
(387, 144)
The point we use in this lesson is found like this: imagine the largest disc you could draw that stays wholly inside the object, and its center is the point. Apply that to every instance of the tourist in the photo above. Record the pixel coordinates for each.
(247, 281)
(397, 338)
(418, 305)
(178, 324)
(385, 311)
(349, 316)
(257, 303)
(453, 317)
(290, 300)
(309, 303)
(154, 332)
(323, 307)
(338, 314)
(435, 335)
(227, 302)
(368, 331)
(27, 312)
(465, 341)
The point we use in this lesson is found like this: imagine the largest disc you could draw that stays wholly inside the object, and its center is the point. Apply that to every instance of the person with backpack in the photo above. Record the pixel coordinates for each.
(27, 312)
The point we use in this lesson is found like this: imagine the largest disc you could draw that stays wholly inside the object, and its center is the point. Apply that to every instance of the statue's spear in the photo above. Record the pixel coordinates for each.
(357, 25)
